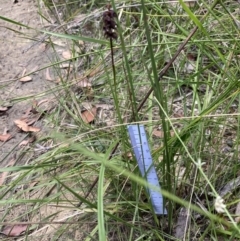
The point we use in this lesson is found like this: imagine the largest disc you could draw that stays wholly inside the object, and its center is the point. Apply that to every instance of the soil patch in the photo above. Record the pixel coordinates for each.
(19, 56)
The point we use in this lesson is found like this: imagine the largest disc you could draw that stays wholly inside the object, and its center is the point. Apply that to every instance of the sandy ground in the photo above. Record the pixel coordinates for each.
(19, 56)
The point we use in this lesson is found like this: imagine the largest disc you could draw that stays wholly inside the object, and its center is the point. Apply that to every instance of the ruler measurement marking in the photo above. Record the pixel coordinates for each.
(143, 156)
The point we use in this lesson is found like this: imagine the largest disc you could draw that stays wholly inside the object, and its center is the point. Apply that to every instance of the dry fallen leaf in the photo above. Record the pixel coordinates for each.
(33, 129)
(14, 231)
(24, 126)
(67, 54)
(89, 115)
(48, 77)
(5, 137)
(26, 79)
(2, 108)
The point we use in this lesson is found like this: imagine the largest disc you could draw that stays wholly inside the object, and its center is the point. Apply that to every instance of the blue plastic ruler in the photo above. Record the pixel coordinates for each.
(143, 156)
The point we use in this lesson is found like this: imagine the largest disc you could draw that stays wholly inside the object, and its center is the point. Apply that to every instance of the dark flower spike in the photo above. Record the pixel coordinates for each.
(109, 24)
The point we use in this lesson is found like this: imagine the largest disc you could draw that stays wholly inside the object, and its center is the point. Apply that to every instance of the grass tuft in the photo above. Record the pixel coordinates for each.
(174, 67)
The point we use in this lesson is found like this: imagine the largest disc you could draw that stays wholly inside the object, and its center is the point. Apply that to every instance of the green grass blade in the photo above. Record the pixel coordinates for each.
(101, 222)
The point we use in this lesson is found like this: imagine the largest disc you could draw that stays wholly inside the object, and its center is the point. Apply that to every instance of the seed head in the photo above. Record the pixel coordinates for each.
(109, 24)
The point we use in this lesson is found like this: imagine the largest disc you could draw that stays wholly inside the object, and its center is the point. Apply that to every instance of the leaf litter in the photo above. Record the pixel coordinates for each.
(15, 230)
(26, 79)
(88, 116)
(32, 115)
(47, 76)
(25, 127)
(3, 109)
(5, 137)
